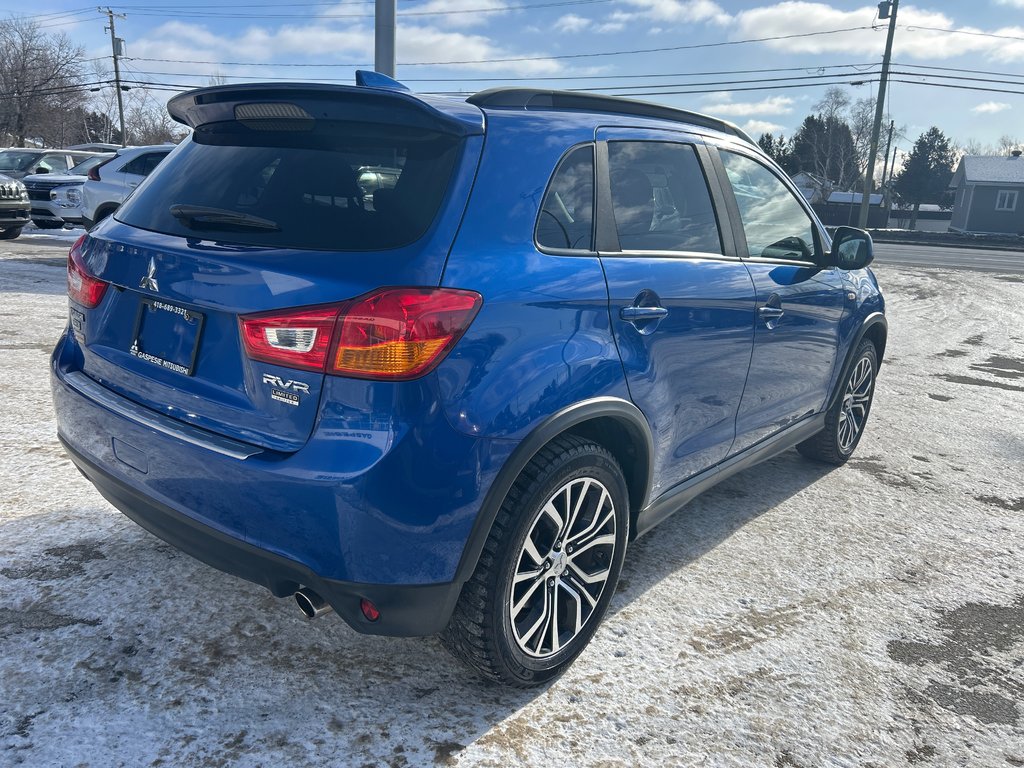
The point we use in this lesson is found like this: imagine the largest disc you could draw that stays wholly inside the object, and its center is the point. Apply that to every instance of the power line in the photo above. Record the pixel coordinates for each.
(545, 78)
(957, 69)
(176, 12)
(915, 28)
(696, 46)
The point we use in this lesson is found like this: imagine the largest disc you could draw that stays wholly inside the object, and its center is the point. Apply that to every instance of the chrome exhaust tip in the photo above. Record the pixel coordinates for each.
(311, 604)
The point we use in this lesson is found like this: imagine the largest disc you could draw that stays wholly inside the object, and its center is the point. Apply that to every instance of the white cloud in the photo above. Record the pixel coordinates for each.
(990, 107)
(350, 45)
(572, 23)
(1014, 3)
(774, 105)
(912, 39)
(681, 10)
(757, 127)
(610, 27)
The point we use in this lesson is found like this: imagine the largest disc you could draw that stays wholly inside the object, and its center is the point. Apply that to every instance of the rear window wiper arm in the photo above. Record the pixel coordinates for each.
(195, 216)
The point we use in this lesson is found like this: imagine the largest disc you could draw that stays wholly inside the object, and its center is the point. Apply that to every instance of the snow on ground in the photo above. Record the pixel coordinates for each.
(871, 615)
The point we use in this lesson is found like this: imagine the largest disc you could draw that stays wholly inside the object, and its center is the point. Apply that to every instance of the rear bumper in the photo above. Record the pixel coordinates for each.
(381, 512)
(405, 610)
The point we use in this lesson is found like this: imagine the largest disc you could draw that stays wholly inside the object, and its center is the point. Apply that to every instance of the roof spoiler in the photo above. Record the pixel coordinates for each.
(534, 98)
(296, 106)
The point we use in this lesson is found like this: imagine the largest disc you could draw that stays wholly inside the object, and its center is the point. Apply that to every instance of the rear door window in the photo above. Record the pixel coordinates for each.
(336, 186)
(660, 198)
(143, 165)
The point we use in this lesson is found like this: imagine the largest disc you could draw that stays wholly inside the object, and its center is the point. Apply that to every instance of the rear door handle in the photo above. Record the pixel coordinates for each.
(634, 314)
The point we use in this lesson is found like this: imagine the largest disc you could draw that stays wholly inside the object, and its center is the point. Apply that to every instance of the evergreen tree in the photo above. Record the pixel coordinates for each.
(925, 176)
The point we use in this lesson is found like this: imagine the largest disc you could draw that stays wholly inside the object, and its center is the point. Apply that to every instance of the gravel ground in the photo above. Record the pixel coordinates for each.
(796, 615)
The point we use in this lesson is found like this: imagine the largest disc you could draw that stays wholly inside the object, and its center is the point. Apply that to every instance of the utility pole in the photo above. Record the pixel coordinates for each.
(887, 7)
(115, 49)
(384, 37)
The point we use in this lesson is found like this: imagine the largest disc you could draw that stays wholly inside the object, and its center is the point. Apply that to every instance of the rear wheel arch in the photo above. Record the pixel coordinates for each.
(616, 424)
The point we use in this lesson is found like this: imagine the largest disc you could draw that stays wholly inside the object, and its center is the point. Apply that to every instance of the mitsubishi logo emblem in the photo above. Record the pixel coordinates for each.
(148, 280)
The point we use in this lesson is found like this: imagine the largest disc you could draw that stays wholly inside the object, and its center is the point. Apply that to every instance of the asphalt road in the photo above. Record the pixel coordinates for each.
(948, 257)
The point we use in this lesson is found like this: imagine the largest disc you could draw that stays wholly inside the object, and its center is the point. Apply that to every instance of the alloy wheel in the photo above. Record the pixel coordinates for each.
(563, 567)
(856, 402)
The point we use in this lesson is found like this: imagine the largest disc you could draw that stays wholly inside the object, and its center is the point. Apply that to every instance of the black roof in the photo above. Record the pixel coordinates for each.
(535, 98)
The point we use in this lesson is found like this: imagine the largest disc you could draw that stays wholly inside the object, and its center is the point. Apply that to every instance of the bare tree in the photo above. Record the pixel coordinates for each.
(40, 80)
(1008, 144)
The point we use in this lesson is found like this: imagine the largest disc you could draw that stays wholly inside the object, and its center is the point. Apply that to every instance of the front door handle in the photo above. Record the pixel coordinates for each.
(640, 314)
(771, 313)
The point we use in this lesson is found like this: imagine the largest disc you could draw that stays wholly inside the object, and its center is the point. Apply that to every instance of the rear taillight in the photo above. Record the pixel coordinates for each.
(295, 339)
(83, 288)
(393, 333)
(94, 172)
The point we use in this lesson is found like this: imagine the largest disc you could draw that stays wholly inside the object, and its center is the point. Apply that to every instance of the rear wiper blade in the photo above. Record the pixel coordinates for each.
(196, 216)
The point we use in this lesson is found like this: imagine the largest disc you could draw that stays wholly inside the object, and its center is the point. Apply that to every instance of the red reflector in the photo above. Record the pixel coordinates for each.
(294, 338)
(83, 288)
(401, 333)
(369, 610)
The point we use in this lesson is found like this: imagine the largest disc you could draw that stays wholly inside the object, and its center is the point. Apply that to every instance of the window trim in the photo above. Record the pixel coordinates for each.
(1008, 193)
(821, 238)
(593, 205)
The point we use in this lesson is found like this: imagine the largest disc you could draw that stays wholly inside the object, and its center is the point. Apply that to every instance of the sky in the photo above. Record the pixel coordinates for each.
(763, 66)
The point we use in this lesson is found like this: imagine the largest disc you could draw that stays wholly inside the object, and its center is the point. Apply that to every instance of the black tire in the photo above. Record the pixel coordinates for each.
(846, 419)
(101, 214)
(486, 631)
(10, 234)
(43, 224)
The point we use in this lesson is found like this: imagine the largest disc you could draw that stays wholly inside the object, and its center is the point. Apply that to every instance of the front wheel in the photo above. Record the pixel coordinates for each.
(10, 234)
(548, 569)
(845, 420)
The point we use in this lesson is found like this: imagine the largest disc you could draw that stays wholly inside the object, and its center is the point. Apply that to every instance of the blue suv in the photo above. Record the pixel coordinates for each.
(447, 403)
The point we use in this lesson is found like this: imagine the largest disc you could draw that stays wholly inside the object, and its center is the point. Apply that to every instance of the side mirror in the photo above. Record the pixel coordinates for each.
(42, 169)
(851, 249)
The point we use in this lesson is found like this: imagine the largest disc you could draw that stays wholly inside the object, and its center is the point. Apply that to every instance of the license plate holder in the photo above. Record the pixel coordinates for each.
(167, 335)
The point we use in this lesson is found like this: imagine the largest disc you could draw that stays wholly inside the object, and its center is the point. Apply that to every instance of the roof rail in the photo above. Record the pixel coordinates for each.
(536, 98)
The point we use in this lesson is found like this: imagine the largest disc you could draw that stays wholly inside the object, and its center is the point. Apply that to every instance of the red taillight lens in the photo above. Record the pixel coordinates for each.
(394, 333)
(401, 333)
(94, 172)
(83, 288)
(295, 339)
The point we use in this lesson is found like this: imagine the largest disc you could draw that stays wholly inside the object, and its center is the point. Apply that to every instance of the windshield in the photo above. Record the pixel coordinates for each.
(88, 164)
(17, 161)
(331, 185)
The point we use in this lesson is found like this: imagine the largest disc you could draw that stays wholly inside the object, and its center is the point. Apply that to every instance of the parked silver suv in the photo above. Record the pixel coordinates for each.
(57, 197)
(111, 182)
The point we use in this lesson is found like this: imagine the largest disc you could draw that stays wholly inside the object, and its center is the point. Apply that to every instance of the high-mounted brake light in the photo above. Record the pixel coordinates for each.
(393, 333)
(83, 288)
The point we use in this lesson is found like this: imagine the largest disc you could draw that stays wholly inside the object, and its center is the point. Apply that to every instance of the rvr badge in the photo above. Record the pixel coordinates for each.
(294, 386)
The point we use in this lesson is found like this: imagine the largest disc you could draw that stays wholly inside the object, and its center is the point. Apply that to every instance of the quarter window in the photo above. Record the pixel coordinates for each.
(567, 214)
(1006, 200)
(775, 224)
(660, 198)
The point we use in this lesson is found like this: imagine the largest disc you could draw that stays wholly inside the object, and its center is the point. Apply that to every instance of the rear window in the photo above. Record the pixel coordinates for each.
(338, 186)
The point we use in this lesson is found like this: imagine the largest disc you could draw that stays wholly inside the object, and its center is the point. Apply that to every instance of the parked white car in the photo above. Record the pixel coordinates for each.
(109, 183)
(57, 197)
